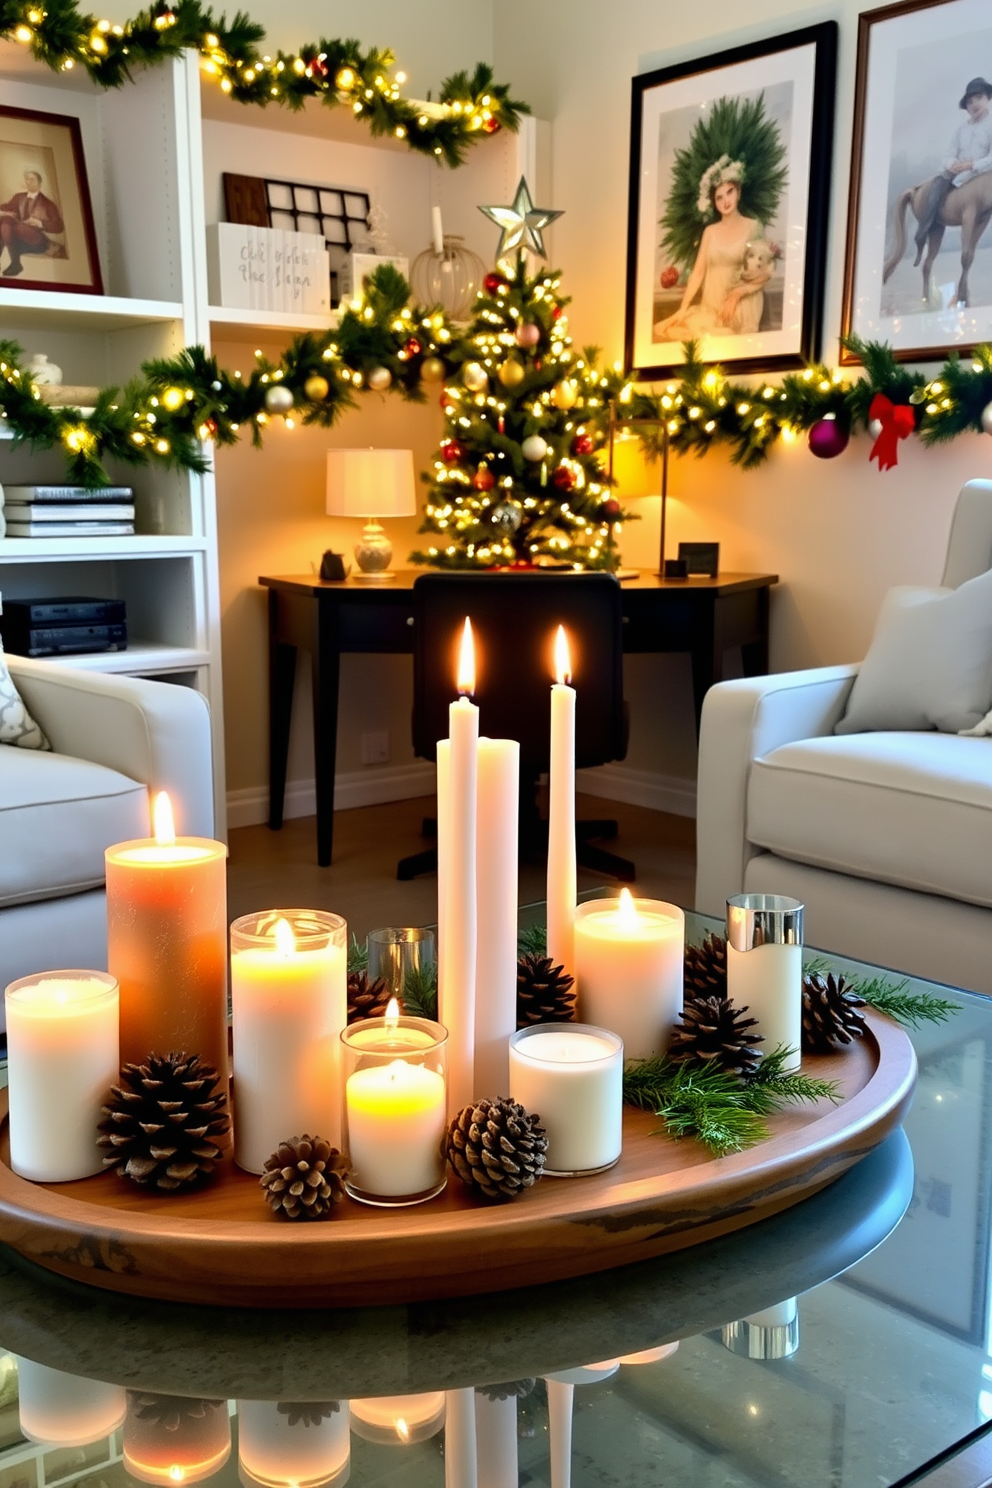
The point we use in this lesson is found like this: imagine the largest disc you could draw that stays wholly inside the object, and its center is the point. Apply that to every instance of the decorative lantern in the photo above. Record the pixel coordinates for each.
(451, 278)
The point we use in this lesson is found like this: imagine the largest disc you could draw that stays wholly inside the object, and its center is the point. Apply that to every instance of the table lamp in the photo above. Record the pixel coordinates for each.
(371, 483)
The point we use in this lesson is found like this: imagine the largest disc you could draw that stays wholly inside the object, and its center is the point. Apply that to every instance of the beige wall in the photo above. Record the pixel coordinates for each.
(837, 532)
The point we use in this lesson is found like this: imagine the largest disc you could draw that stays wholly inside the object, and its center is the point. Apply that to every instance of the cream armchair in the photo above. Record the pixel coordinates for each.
(113, 738)
(885, 837)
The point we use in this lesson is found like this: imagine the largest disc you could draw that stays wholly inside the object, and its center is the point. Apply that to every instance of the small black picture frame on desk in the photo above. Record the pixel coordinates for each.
(700, 557)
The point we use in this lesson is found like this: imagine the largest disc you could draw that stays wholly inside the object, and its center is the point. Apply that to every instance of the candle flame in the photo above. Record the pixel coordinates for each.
(164, 826)
(627, 910)
(392, 1015)
(177, 1474)
(402, 1429)
(466, 661)
(284, 938)
(563, 658)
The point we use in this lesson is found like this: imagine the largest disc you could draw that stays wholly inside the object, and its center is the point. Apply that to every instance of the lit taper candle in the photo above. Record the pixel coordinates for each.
(457, 786)
(561, 813)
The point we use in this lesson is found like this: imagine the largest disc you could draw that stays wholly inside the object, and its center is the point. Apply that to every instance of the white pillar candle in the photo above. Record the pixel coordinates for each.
(496, 1441)
(278, 1451)
(436, 230)
(156, 1452)
(571, 1076)
(460, 1469)
(65, 1410)
(778, 1316)
(458, 783)
(398, 1420)
(496, 959)
(289, 990)
(560, 1400)
(63, 1052)
(561, 891)
(628, 965)
(651, 1355)
(765, 968)
(394, 1108)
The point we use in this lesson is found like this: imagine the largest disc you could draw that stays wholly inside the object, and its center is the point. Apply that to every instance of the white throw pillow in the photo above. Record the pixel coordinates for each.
(930, 662)
(16, 724)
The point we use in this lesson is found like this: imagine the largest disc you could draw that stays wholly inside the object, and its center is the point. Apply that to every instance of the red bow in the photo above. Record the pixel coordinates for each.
(897, 420)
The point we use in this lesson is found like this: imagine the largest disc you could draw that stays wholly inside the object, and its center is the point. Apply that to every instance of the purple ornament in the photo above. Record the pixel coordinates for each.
(828, 438)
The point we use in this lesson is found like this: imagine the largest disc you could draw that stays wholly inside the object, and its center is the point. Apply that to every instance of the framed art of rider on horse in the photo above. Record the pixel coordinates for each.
(919, 244)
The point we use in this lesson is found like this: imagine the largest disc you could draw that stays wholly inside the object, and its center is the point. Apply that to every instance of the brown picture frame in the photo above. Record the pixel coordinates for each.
(52, 228)
(913, 61)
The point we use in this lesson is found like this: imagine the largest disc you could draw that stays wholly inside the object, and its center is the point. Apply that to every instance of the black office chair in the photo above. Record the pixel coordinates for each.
(514, 619)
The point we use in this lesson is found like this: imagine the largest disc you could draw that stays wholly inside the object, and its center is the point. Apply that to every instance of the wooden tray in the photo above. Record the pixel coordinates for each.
(221, 1245)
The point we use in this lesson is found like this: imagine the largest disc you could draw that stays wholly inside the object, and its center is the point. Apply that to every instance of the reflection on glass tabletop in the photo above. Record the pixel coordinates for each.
(844, 1343)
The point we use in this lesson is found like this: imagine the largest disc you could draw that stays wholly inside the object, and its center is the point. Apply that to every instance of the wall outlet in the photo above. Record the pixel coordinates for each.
(375, 748)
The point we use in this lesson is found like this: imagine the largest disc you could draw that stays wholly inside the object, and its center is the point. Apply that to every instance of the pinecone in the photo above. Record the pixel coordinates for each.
(509, 1390)
(705, 972)
(170, 1411)
(830, 1013)
(366, 999)
(305, 1178)
(545, 992)
(496, 1147)
(164, 1120)
(307, 1412)
(714, 1034)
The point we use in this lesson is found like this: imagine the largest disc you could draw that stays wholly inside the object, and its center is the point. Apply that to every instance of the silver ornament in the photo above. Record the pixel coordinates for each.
(875, 428)
(474, 377)
(278, 399)
(506, 518)
(534, 448)
(987, 418)
(379, 379)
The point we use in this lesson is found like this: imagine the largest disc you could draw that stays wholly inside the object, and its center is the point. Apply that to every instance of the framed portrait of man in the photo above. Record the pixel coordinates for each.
(918, 269)
(47, 239)
(729, 183)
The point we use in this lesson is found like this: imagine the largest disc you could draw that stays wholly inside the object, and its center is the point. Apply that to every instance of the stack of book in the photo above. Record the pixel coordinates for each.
(69, 511)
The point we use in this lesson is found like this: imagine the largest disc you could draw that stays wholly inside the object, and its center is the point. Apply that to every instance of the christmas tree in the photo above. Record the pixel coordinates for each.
(518, 481)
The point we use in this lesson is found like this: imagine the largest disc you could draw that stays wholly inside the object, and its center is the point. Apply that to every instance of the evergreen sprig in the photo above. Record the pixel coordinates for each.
(533, 941)
(911, 1009)
(358, 955)
(420, 991)
(722, 1111)
(339, 73)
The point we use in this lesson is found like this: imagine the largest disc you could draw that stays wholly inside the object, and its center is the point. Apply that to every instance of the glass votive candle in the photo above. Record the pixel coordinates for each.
(398, 1420)
(305, 1444)
(289, 998)
(395, 1100)
(628, 969)
(65, 1410)
(765, 967)
(570, 1075)
(63, 1053)
(399, 953)
(170, 1439)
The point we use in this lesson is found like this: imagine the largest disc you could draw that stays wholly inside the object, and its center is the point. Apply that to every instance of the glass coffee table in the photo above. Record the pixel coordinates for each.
(843, 1343)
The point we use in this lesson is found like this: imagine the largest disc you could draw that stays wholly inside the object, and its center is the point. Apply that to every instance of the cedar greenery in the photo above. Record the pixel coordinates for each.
(340, 73)
(739, 128)
(911, 1009)
(420, 991)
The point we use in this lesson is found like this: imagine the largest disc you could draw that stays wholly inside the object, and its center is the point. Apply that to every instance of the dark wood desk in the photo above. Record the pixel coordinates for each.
(702, 616)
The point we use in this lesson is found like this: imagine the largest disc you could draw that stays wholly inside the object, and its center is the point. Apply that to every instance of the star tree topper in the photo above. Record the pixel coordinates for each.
(522, 224)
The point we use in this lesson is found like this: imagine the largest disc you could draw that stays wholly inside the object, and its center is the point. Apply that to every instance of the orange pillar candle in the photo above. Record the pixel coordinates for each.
(167, 942)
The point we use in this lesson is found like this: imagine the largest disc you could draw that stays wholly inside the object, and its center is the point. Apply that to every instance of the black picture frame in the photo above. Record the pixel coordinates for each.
(915, 61)
(701, 557)
(774, 98)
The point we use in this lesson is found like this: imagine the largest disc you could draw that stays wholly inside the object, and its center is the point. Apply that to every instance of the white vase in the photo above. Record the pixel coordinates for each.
(43, 371)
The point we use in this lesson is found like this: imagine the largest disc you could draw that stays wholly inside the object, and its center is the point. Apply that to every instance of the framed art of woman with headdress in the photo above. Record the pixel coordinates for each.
(729, 180)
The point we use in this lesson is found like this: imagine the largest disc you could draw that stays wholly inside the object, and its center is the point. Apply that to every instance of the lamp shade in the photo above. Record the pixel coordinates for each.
(370, 483)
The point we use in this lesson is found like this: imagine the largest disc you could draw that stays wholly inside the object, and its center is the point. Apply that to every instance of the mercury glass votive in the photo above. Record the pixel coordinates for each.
(395, 1104)
(765, 967)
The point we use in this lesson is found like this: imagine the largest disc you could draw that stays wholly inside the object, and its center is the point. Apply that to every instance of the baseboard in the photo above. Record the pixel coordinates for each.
(673, 793)
(246, 808)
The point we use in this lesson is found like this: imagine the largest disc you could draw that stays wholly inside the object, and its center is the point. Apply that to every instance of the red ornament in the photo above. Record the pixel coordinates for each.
(412, 347)
(563, 478)
(501, 424)
(582, 444)
(492, 282)
(610, 509)
(211, 426)
(483, 479)
(669, 277)
(556, 313)
(452, 451)
(491, 126)
(827, 438)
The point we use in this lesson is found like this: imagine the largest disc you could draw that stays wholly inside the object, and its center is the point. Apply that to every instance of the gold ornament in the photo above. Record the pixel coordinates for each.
(432, 369)
(316, 388)
(512, 373)
(565, 394)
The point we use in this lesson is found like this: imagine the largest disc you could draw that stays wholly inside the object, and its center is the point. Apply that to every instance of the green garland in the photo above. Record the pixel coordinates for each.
(471, 105)
(705, 408)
